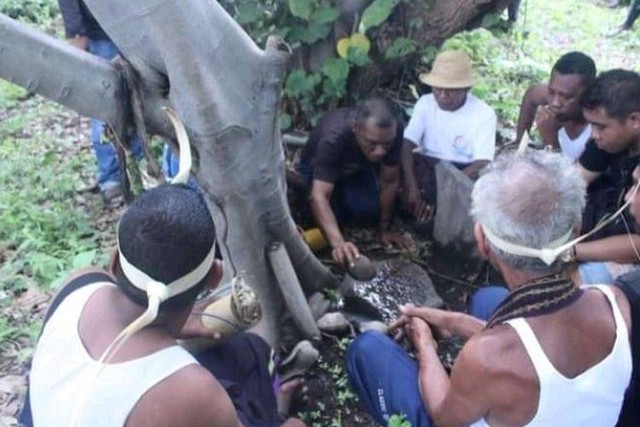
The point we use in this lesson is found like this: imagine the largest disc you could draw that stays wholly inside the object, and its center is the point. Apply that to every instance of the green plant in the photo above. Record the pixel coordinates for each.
(35, 11)
(398, 421)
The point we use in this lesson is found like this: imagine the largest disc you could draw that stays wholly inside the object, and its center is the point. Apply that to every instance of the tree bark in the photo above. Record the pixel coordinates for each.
(227, 91)
(193, 56)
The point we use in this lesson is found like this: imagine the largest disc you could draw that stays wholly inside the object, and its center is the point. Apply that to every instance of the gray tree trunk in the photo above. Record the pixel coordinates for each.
(227, 91)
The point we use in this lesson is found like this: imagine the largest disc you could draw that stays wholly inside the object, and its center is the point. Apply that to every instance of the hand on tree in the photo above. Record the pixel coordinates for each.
(547, 124)
(81, 42)
(345, 252)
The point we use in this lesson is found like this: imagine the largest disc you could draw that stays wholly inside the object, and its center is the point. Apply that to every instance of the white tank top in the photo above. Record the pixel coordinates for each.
(573, 148)
(61, 367)
(593, 398)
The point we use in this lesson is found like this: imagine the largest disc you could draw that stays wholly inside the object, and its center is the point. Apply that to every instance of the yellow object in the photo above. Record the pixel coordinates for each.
(357, 40)
(314, 238)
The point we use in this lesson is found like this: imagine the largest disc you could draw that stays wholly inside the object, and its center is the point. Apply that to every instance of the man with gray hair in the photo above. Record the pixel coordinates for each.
(547, 346)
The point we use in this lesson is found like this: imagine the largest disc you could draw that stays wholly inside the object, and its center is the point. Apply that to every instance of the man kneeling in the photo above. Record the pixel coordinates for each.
(549, 346)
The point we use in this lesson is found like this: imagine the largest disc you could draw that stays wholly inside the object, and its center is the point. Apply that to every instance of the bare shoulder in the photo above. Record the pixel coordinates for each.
(623, 304)
(190, 397)
(485, 348)
(537, 94)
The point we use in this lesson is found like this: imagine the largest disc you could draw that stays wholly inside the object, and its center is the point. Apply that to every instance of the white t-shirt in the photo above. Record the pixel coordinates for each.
(462, 136)
(573, 148)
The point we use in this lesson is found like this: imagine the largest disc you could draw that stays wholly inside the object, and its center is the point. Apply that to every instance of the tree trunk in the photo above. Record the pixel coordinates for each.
(227, 92)
(438, 22)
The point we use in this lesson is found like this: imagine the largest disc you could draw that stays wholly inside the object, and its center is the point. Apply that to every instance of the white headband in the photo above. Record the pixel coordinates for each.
(141, 280)
(559, 246)
(547, 254)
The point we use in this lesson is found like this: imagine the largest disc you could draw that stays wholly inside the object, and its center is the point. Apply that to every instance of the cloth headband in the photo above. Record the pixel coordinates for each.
(141, 280)
(559, 246)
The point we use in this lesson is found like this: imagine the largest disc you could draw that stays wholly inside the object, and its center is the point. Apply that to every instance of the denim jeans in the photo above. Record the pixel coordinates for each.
(386, 378)
(106, 155)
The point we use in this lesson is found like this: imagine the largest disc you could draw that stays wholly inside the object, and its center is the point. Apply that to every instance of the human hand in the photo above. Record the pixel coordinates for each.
(81, 42)
(436, 318)
(419, 334)
(194, 328)
(390, 239)
(547, 124)
(345, 252)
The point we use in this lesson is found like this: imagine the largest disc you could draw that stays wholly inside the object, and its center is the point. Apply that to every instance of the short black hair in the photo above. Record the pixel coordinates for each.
(617, 91)
(576, 63)
(167, 232)
(378, 108)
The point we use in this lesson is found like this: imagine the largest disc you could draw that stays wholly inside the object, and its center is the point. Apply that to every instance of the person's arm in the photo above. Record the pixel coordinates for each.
(587, 175)
(446, 323)
(534, 97)
(621, 249)
(321, 192)
(389, 183)
(408, 172)
(457, 401)
(473, 170)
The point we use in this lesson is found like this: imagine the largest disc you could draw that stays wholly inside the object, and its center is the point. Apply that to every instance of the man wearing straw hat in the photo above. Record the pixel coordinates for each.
(107, 354)
(449, 124)
(534, 349)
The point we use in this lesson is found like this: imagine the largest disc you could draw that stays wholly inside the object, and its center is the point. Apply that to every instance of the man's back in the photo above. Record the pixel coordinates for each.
(152, 381)
(579, 356)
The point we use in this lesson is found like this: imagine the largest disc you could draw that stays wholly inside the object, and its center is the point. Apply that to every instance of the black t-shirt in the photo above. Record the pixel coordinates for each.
(333, 153)
(606, 194)
(616, 168)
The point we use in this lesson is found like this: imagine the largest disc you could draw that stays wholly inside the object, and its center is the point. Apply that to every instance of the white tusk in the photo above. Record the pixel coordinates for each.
(183, 145)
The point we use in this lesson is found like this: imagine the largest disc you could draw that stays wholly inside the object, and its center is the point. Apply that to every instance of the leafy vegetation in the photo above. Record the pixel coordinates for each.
(35, 11)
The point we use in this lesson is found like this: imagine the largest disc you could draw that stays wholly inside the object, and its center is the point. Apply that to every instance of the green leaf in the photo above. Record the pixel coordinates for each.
(284, 121)
(490, 20)
(315, 32)
(83, 259)
(325, 15)
(298, 83)
(358, 56)
(301, 8)
(400, 47)
(336, 69)
(377, 12)
(248, 12)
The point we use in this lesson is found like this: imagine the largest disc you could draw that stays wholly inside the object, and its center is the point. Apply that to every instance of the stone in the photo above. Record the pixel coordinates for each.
(335, 322)
(397, 282)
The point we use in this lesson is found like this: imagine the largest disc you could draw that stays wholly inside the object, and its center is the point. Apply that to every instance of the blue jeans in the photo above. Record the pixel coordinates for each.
(386, 378)
(106, 155)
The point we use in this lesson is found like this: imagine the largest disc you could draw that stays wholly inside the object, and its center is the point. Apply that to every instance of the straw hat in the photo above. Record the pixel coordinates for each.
(451, 70)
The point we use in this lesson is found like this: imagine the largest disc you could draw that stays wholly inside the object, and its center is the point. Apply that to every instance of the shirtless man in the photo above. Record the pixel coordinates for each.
(555, 107)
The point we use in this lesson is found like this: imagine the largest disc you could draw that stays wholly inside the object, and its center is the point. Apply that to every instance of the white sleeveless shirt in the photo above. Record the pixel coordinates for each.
(61, 367)
(573, 148)
(593, 398)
